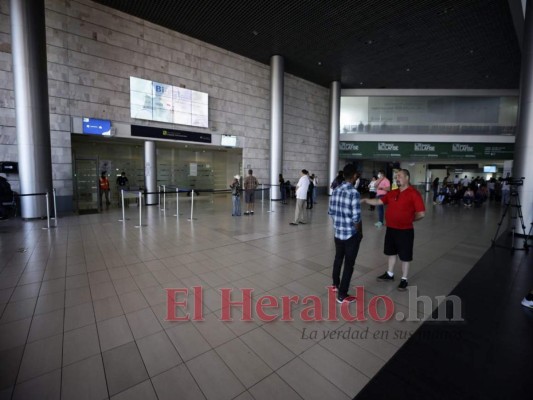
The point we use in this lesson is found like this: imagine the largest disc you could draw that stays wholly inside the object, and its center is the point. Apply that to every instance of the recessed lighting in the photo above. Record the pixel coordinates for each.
(360, 83)
(319, 63)
(408, 69)
(370, 41)
(255, 33)
(471, 51)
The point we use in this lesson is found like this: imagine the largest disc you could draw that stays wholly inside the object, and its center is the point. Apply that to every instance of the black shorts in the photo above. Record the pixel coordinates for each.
(399, 242)
(249, 196)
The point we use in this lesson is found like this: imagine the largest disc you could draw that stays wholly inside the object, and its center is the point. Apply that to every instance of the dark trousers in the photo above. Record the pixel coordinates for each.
(310, 199)
(345, 250)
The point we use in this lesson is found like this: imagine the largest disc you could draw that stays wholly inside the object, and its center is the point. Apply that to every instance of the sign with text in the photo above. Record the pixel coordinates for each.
(170, 134)
(425, 150)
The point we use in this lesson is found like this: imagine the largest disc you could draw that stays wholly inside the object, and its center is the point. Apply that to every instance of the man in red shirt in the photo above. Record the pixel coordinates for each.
(404, 206)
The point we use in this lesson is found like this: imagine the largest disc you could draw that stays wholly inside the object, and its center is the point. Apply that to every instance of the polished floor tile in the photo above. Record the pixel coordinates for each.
(86, 302)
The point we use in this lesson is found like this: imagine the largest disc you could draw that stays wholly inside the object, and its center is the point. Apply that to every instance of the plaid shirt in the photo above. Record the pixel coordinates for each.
(345, 210)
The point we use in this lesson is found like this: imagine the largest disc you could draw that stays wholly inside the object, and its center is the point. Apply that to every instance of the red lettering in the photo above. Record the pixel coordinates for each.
(245, 304)
(373, 308)
(198, 303)
(261, 304)
(172, 304)
(332, 304)
(314, 311)
(286, 313)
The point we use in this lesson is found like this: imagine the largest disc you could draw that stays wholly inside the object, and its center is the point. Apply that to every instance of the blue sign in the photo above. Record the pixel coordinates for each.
(93, 126)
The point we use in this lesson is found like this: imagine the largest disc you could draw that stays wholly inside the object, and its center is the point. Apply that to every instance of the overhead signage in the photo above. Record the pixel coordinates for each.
(425, 150)
(170, 134)
(93, 126)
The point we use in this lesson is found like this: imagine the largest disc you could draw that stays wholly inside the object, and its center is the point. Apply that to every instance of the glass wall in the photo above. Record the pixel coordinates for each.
(457, 115)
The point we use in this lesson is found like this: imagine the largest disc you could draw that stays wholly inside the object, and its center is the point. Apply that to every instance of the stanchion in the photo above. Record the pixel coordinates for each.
(140, 211)
(177, 203)
(158, 195)
(192, 206)
(262, 193)
(48, 213)
(271, 210)
(164, 198)
(123, 209)
(55, 205)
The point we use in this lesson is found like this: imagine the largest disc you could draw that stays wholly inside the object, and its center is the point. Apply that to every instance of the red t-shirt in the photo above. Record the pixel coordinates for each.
(402, 206)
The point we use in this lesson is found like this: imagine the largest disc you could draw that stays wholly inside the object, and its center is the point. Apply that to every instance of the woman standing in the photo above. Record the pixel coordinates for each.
(282, 189)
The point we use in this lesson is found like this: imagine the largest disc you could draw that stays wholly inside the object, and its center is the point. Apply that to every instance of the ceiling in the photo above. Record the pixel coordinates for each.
(450, 44)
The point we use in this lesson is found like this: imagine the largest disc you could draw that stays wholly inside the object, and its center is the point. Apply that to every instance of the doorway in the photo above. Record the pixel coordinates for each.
(86, 185)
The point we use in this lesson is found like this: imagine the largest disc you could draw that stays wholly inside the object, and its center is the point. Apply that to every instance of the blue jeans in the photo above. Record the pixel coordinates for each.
(381, 210)
(236, 202)
(345, 250)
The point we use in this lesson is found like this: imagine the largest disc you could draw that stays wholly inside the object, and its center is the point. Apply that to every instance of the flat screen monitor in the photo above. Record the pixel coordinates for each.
(93, 126)
(490, 168)
(228, 141)
(155, 101)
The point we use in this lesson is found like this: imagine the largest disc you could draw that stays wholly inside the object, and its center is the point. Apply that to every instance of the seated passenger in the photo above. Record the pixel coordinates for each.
(468, 197)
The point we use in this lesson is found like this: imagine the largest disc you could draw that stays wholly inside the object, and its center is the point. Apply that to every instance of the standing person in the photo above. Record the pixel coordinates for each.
(338, 180)
(456, 181)
(506, 190)
(104, 188)
(372, 190)
(404, 206)
(345, 210)
(435, 186)
(382, 188)
(250, 184)
(282, 189)
(465, 182)
(301, 197)
(235, 196)
(310, 190)
(122, 184)
(315, 182)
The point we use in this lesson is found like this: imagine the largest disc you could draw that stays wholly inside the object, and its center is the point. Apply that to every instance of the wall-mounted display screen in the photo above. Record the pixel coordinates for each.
(490, 168)
(93, 126)
(156, 101)
(228, 141)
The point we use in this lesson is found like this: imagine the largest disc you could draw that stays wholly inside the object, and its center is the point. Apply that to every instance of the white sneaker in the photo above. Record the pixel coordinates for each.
(378, 224)
(527, 303)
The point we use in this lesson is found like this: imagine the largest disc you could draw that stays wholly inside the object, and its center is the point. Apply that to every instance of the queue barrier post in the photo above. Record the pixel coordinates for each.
(123, 209)
(192, 206)
(270, 210)
(177, 203)
(140, 211)
(55, 205)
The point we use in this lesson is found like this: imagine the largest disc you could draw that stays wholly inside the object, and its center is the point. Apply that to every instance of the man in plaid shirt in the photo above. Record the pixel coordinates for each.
(345, 210)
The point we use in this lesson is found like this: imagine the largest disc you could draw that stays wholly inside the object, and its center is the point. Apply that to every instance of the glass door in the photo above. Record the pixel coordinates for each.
(87, 185)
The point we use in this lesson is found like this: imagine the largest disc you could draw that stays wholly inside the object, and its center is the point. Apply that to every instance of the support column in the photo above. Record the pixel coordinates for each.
(276, 123)
(334, 130)
(523, 161)
(150, 171)
(28, 37)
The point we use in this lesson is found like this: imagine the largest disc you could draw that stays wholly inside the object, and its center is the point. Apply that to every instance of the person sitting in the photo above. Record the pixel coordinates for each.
(468, 197)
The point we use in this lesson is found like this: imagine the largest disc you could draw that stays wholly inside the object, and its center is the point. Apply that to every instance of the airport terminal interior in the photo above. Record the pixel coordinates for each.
(126, 272)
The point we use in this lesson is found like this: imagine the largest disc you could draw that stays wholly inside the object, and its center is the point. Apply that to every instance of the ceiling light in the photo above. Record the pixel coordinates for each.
(408, 69)
(319, 63)
(360, 83)
(370, 41)
(255, 33)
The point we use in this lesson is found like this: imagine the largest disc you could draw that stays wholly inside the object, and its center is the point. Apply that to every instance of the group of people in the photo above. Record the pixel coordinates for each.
(404, 206)
(471, 192)
(105, 187)
(250, 184)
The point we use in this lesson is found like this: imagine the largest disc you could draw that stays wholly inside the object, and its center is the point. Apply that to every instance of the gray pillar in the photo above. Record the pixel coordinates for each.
(276, 123)
(150, 171)
(334, 130)
(523, 159)
(28, 38)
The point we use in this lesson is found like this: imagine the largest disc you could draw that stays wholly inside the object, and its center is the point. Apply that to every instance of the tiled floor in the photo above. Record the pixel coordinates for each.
(83, 306)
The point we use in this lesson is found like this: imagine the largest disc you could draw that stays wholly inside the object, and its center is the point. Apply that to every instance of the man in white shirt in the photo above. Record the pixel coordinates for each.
(301, 198)
(465, 181)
